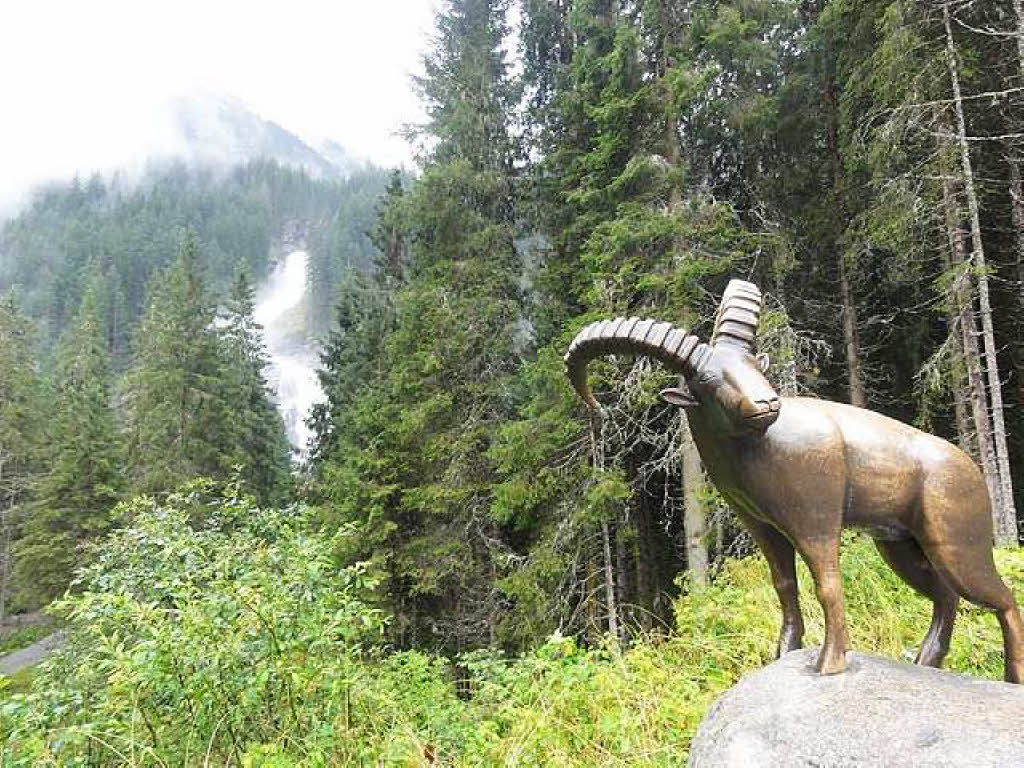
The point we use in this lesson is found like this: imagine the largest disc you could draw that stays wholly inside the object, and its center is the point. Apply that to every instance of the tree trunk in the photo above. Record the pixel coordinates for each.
(850, 338)
(609, 583)
(597, 455)
(1017, 220)
(1017, 194)
(851, 341)
(622, 573)
(1018, 9)
(694, 519)
(1017, 213)
(963, 427)
(961, 308)
(642, 577)
(1005, 517)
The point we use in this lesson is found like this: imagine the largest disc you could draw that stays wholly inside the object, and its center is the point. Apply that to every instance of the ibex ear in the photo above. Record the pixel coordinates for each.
(763, 362)
(680, 398)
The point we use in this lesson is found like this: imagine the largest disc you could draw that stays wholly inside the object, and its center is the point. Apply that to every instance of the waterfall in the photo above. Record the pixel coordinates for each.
(280, 309)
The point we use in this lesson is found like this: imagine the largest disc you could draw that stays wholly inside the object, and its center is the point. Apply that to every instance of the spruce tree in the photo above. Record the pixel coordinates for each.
(258, 436)
(22, 424)
(409, 459)
(364, 316)
(73, 500)
(179, 416)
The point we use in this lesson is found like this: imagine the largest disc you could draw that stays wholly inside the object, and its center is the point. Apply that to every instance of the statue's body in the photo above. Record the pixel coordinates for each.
(797, 470)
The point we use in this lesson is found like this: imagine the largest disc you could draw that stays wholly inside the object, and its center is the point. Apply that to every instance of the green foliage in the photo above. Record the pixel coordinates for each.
(122, 236)
(73, 500)
(21, 399)
(179, 415)
(466, 88)
(410, 457)
(209, 624)
(20, 638)
(344, 245)
(257, 431)
(419, 365)
(20, 682)
(645, 152)
(197, 400)
(262, 653)
(565, 705)
(22, 419)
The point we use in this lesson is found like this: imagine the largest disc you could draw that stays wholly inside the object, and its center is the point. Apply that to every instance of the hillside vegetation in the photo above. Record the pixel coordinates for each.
(117, 237)
(210, 631)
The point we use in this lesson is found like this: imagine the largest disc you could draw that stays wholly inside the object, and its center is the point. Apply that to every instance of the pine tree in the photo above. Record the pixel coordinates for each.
(179, 417)
(364, 316)
(627, 235)
(387, 235)
(409, 457)
(73, 500)
(21, 432)
(258, 436)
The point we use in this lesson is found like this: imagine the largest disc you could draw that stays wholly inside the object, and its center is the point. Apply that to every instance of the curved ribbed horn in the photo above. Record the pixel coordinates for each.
(674, 347)
(738, 313)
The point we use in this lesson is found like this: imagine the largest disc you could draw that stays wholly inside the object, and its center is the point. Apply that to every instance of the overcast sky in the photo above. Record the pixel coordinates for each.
(86, 83)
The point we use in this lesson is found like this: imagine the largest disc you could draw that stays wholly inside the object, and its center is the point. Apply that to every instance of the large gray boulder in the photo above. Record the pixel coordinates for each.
(879, 712)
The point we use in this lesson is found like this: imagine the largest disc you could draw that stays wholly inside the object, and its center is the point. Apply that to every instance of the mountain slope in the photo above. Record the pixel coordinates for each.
(221, 131)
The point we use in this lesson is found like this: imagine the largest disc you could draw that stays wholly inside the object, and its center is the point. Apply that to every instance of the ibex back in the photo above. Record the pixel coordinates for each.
(796, 470)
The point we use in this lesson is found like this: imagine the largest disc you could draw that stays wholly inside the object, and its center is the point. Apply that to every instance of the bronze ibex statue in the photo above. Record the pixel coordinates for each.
(797, 469)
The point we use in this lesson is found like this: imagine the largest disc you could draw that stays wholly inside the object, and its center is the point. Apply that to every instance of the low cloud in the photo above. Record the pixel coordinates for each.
(94, 86)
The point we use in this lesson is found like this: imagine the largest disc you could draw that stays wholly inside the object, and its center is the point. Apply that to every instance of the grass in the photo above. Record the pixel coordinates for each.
(563, 705)
(19, 682)
(23, 637)
(643, 707)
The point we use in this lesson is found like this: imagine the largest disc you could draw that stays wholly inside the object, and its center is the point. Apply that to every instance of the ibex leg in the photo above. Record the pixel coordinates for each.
(969, 569)
(908, 561)
(782, 561)
(822, 557)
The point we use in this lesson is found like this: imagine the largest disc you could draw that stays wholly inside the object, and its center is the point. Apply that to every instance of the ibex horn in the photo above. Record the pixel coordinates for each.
(738, 313)
(674, 347)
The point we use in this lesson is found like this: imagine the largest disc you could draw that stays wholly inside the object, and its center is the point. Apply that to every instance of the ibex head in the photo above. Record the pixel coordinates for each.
(724, 379)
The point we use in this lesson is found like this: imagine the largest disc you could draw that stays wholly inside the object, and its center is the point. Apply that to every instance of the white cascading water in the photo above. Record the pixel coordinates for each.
(293, 355)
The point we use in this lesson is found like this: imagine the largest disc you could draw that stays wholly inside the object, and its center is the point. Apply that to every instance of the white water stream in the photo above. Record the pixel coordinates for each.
(293, 354)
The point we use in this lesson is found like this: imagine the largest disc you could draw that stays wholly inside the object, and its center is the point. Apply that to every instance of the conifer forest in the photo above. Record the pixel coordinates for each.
(462, 566)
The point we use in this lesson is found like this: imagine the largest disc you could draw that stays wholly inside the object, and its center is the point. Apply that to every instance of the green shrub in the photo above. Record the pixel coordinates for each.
(210, 631)
(205, 625)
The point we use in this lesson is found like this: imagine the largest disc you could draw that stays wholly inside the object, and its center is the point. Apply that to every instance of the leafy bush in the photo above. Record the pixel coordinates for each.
(210, 631)
(206, 624)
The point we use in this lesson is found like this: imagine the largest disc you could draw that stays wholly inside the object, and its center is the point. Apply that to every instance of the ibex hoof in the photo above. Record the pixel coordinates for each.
(790, 640)
(831, 663)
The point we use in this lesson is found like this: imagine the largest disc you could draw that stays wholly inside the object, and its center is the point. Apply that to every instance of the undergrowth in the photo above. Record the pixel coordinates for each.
(213, 633)
(23, 637)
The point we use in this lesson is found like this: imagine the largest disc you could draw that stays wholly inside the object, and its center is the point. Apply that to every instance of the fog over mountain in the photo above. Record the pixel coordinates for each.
(95, 86)
(203, 130)
(221, 130)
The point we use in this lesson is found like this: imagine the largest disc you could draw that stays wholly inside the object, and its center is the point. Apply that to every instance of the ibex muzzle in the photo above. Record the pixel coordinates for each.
(797, 470)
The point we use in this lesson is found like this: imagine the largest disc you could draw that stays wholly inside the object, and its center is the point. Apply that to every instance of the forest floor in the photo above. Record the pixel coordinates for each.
(14, 662)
